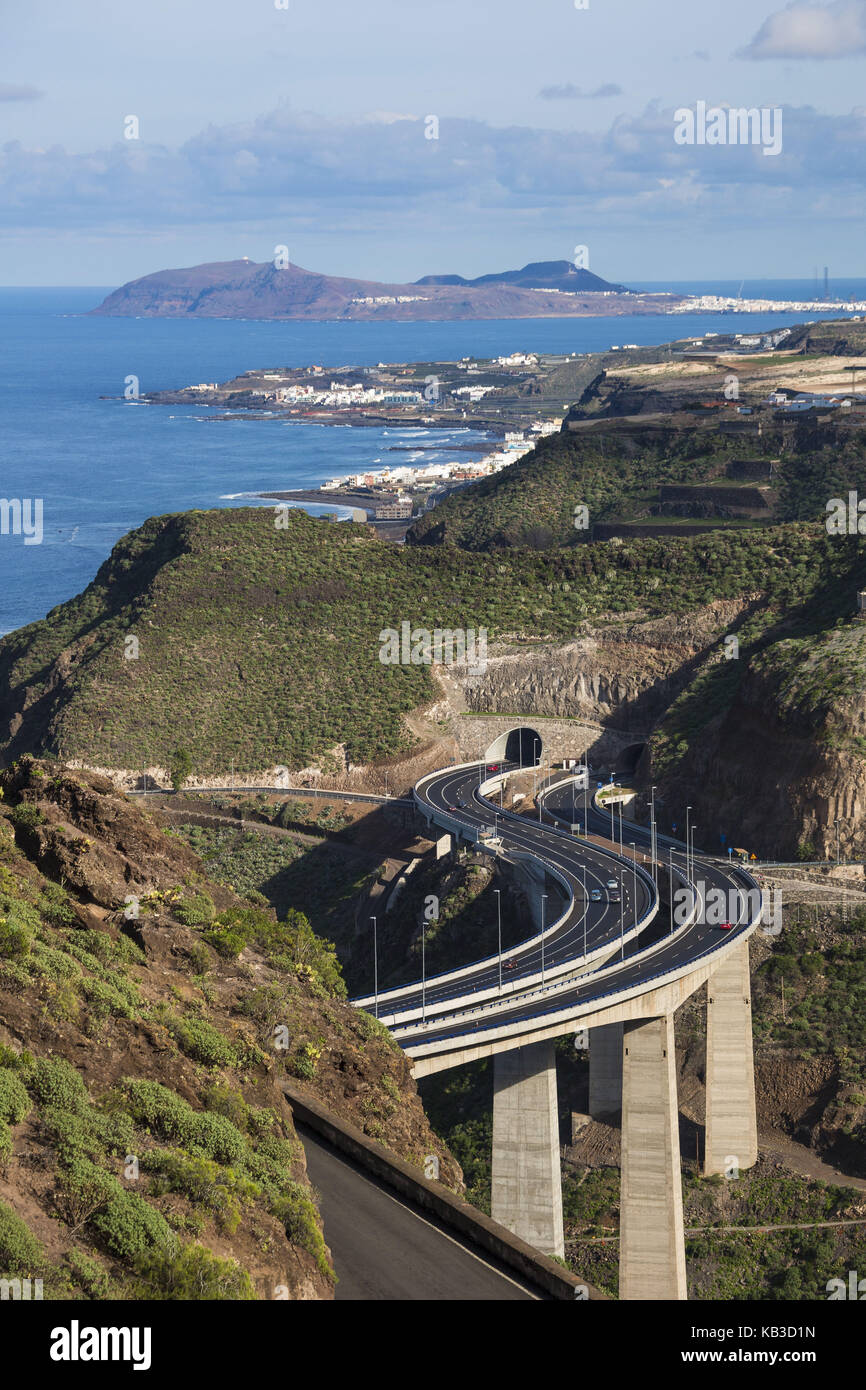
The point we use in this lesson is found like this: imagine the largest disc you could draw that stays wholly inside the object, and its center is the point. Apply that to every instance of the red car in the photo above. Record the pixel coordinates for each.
(726, 926)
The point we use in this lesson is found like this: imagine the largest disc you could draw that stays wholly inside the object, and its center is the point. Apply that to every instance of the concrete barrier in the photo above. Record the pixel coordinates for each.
(432, 1197)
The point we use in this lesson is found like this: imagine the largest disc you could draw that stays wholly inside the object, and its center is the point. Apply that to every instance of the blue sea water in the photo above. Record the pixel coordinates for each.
(103, 465)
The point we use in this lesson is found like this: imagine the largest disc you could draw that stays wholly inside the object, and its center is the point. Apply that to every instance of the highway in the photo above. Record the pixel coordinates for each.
(586, 951)
(383, 1249)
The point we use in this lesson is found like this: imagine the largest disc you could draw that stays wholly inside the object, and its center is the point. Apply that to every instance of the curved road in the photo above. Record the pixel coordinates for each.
(586, 960)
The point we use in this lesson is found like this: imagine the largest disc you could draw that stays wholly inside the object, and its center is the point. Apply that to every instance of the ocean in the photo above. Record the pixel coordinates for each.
(102, 465)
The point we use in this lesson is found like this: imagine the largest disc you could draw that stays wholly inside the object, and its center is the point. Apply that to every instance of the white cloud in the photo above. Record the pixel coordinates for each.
(804, 30)
(288, 170)
(567, 91)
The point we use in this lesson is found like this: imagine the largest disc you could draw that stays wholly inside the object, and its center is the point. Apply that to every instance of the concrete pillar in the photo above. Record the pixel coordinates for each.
(443, 846)
(731, 1126)
(605, 1070)
(652, 1255)
(527, 1185)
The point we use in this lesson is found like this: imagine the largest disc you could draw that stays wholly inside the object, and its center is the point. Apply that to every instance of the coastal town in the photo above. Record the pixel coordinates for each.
(399, 491)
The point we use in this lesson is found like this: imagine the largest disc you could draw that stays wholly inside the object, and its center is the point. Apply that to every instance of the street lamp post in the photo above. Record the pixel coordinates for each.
(375, 965)
(498, 893)
(688, 813)
(621, 919)
(653, 832)
(585, 911)
(671, 885)
(543, 901)
(423, 970)
(634, 877)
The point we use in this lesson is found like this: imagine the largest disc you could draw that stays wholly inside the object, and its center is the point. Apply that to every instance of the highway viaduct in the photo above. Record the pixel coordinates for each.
(576, 974)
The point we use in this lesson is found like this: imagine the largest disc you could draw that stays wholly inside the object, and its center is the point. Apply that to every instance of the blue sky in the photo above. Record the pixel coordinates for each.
(305, 126)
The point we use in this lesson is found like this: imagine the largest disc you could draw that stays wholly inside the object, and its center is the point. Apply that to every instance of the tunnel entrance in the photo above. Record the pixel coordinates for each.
(629, 758)
(522, 746)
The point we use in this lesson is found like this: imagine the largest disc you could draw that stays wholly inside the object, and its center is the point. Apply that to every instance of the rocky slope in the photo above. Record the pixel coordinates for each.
(147, 1016)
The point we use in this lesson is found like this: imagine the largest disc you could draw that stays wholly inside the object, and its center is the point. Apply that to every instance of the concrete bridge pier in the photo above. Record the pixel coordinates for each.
(527, 1187)
(605, 1071)
(731, 1140)
(652, 1256)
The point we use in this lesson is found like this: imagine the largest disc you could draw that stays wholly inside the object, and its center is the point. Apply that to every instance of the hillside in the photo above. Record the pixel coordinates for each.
(246, 289)
(555, 275)
(653, 444)
(259, 647)
(147, 1015)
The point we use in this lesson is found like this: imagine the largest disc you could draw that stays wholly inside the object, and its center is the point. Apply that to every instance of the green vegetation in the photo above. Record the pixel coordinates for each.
(21, 1254)
(324, 594)
(825, 993)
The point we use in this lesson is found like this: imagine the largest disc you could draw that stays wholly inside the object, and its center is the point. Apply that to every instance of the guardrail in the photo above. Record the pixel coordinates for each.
(284, 791)
(487, 962)
(447, 1044)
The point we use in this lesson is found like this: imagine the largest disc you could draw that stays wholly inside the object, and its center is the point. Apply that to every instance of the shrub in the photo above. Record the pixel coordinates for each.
(217, 1137)
(15, 938)
(202, 1042)
(72, 1134)
(54, 1081)
(130, 1226)
(297, 1211)
(191, 1272)
(53, 964)
(169, 1116)
(55, 907)
(179, 768)
(226, 1100)
(83, 1191)
(195, 910)
(15, 1104)
(220, 1190)
(21, 1254)
(104, 1001)
(5, 1143)
(90, 1276)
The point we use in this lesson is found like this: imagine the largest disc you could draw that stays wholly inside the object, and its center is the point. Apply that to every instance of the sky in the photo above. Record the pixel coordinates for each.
(392, 139)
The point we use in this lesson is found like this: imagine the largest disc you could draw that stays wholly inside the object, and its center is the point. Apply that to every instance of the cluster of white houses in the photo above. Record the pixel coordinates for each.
(405, 479)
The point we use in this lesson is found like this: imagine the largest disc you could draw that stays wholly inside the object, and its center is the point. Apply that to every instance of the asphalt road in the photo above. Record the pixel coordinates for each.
(588, 925)
(383, 1249)
(668, 954)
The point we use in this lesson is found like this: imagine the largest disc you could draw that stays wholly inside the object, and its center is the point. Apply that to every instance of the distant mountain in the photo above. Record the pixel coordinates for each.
(245, 289)
(538, 275)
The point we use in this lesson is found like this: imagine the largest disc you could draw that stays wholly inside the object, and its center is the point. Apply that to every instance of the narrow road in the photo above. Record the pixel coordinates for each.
(384, 1249)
